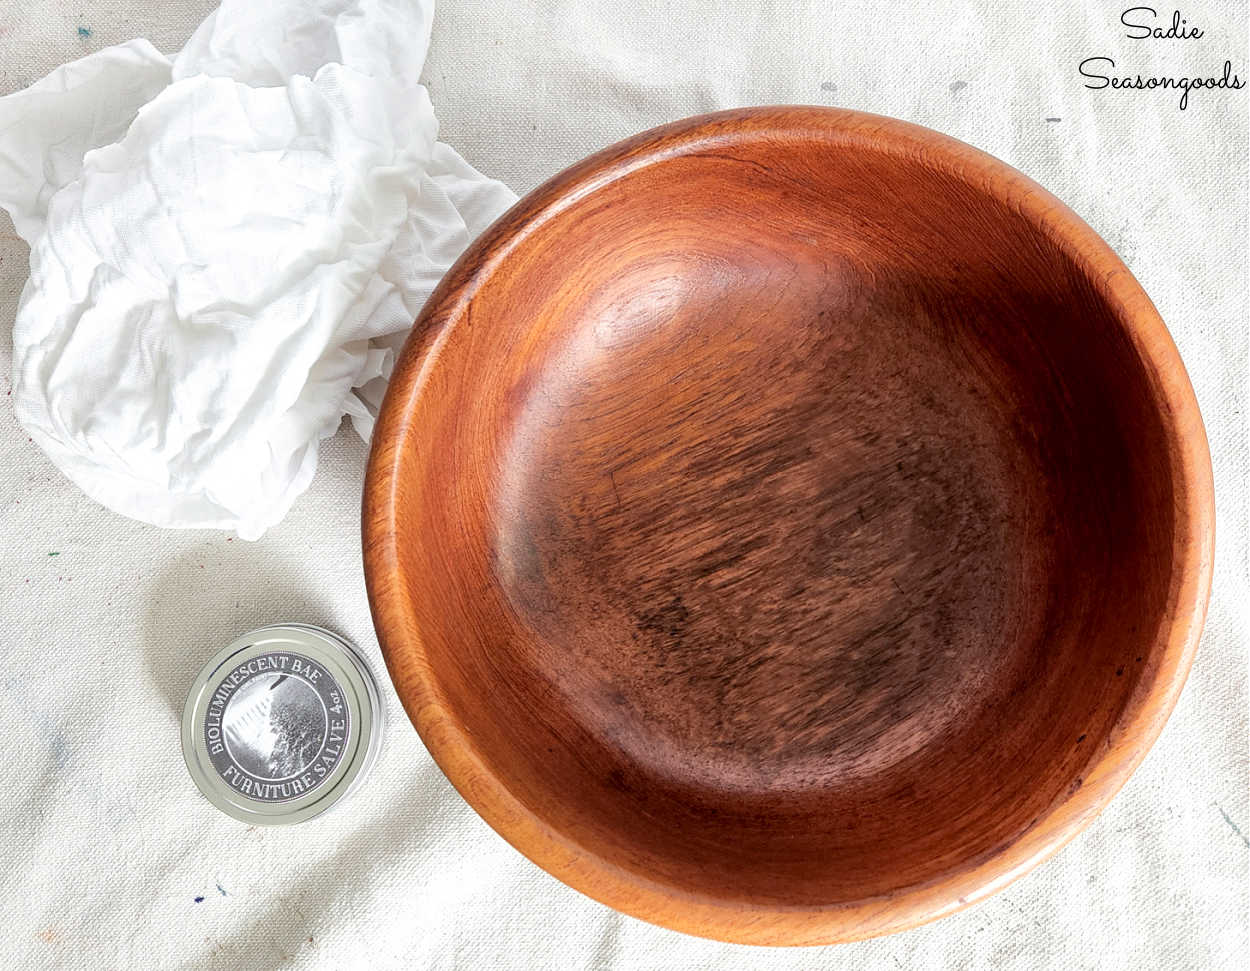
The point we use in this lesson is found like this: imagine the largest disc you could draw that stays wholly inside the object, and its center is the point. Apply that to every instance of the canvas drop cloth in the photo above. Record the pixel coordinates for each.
(104, 622)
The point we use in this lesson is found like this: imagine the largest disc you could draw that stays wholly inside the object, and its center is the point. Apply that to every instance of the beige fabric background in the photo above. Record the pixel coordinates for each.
(107, 843)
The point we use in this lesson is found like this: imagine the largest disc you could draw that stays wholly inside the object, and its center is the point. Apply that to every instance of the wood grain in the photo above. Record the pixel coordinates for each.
(789, 525)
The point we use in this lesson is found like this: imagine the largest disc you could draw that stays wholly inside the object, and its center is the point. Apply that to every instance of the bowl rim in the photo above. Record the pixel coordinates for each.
(1144, 714)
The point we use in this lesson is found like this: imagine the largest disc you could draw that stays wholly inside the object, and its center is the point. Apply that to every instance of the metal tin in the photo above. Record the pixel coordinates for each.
(281, 724)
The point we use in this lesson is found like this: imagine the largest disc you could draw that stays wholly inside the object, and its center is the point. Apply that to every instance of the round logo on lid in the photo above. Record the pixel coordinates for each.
(276, 726)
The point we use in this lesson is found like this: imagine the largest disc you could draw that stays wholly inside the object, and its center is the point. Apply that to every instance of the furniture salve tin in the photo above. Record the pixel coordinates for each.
(281, 724)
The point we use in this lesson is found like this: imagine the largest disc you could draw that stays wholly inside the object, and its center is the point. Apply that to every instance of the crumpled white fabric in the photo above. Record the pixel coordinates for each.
(227, 248)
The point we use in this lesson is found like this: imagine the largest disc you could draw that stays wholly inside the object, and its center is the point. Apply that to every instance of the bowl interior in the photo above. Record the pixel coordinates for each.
(787, 521)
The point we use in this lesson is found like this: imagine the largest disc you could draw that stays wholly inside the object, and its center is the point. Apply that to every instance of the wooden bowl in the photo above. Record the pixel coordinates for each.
(789, 525)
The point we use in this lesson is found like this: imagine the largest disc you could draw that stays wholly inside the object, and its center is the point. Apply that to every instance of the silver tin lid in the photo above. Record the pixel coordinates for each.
(281, 724)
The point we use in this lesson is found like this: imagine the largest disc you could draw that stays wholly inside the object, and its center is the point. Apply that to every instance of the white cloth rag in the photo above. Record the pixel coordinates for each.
(227, 248)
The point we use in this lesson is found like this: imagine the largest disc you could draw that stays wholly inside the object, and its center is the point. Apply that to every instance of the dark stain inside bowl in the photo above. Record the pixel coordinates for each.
(798, 559)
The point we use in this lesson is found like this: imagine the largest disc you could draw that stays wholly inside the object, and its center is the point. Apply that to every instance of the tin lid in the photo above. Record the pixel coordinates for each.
(281, 724)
